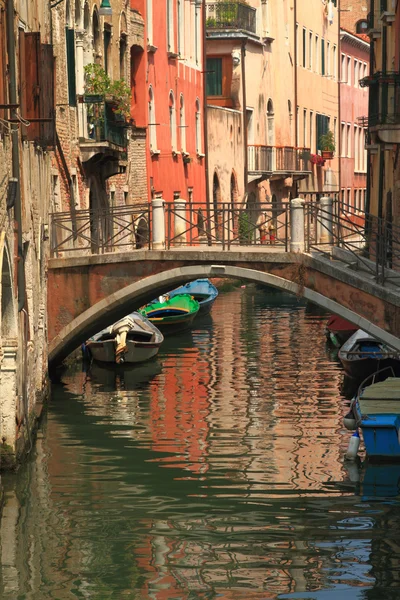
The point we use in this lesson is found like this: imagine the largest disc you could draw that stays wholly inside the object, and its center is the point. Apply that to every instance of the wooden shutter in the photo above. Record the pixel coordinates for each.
(70, 41)
(29, 82)
(47, 128)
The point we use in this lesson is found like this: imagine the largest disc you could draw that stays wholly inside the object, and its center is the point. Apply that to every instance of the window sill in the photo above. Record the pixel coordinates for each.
(154, 152)
(173, 55)
(200, 155)
(151, 49)
(175, 153)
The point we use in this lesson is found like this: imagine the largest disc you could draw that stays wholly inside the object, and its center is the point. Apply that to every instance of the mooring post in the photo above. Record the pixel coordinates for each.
(180, 223)
(297, 225)
(158, 220)
(325, 229)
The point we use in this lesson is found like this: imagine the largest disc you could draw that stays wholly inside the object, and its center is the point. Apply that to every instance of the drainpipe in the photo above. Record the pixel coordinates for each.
(15, 150)
(205, 124)
(244, 101)
(296, 133)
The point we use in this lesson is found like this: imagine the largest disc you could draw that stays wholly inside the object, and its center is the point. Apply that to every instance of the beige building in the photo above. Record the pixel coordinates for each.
(272, 91)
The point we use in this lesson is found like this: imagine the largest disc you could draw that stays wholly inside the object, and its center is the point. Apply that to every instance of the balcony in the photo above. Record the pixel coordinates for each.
(279, 162)
(373, 31)
(388, 15)
(384, 105)
(232, 16)
(102, 130)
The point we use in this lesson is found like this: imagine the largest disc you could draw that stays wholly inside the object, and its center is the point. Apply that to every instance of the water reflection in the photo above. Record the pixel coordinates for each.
(216, 471)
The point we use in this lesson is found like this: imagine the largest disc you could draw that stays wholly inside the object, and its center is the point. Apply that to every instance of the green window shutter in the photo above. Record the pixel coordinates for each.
(214, 77)
(70, 41)
(322, 56)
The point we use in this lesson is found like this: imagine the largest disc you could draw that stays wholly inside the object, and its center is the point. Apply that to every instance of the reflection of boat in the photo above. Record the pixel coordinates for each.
(339, 330)
(202, 290)
(172, 314)
(376, 409)
(382, 480)
(133, 339)
(363, 355)
(128, 377)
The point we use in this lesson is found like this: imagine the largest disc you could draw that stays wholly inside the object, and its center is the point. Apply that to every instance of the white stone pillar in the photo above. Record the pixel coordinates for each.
(80, 81)
(326, 221)
(8, 400)
(297, 225)
(158, 224)
(180, 224)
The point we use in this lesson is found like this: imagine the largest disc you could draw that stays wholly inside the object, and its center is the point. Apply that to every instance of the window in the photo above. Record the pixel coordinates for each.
(181, 25)
(349, 70)
(316, 56)
(271, 122)
(170, 26)
(311, 132)
(335, 132)
(214, 76)
(356, 148)
(328, 58)
(348, 151)
(343, 139)
(304, 128)
(172, 121)
(198, 128)
(322, 56)
(304, 46)
(149, 21)
(152, 122)
(107, 49)
(362, 26)
(297, 44)
(198, 31)
(182, 123)
(334, 63)
(250, 125)
(123, 45)
(322, 128)
(356, 72)
(310, 50)
(343, 74)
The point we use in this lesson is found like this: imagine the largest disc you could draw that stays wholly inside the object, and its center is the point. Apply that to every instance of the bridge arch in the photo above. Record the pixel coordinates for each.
(131, 297)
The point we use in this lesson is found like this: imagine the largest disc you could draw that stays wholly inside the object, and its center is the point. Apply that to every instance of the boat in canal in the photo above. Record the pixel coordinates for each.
(338, 330)
(363, 355)
(376, 410)
(201, 290)
(133, 339)
(171, 315)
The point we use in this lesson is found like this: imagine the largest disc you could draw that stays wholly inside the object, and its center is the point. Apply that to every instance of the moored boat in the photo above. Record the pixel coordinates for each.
(172, 315)
(132, 339)
(201, 290)
(363, 355)
(376, 411)
(338, 330)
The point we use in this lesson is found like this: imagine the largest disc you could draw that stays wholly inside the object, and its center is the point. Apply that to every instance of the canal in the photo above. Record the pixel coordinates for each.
(215, 471)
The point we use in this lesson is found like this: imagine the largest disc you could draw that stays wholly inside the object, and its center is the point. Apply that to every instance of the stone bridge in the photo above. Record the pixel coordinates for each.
(87, 293)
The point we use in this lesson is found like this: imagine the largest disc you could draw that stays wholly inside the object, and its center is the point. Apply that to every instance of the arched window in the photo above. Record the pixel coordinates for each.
(78, 14)
(198, 128)
(362, 26)
(96, 36)
(182, 123)
(123, 45)
(270, 123)
(70, 51)
(152, 122)
(172, 120)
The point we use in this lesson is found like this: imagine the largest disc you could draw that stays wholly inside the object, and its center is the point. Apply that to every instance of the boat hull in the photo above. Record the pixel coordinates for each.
(381, 437)
(136, 352)
(171, 325)
(359, 369)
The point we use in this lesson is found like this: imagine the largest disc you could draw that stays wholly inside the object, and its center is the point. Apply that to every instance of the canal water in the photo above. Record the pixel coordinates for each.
(215, 471)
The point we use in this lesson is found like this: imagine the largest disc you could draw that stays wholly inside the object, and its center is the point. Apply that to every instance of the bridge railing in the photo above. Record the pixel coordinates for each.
(227, 225)
(100, 231)
(372, 243)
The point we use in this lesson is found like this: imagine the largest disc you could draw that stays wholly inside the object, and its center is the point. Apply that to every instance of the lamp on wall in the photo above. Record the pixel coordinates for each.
(105, 8)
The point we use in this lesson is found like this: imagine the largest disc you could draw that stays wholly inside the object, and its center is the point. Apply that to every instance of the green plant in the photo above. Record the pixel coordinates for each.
(97, 82)
(327, 141)
(244, 227)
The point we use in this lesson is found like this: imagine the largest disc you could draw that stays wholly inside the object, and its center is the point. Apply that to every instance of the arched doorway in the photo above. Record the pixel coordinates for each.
(9, 342)
(142, 234)
(216, 206)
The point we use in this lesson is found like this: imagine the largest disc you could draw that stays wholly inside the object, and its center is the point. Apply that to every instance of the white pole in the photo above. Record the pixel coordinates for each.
(326, 221)
(158, 229)
(297, 225)
(180, 224)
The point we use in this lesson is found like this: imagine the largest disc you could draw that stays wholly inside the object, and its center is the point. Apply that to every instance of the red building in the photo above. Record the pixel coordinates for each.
(167, 97)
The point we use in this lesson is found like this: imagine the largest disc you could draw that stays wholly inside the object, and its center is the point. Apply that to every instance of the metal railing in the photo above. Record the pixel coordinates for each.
(101, 123)
(99, 231)
(228, 225)
(231, 15)
(272, 158)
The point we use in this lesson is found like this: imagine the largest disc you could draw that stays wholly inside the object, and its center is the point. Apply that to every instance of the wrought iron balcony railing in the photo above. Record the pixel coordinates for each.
(103, 123)
(384, 97)
(231, 15)
(267, 159)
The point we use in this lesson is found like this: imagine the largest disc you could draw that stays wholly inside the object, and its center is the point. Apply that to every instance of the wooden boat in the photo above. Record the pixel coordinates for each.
(202, 290)
(339, 330)
(376, 409)
(133, 339)
(171, 315)
(363, 355)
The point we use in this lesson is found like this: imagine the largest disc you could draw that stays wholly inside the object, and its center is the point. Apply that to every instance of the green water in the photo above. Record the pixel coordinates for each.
(215, 471)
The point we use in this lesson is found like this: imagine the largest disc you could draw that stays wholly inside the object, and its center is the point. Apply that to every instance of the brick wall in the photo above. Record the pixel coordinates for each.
(352, 11)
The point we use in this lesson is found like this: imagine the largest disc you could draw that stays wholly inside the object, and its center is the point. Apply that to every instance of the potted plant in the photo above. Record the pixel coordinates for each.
(100, 88)
(327, 144)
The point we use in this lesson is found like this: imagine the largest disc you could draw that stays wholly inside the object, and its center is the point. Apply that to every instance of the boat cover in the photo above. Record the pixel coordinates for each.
(381, 398)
